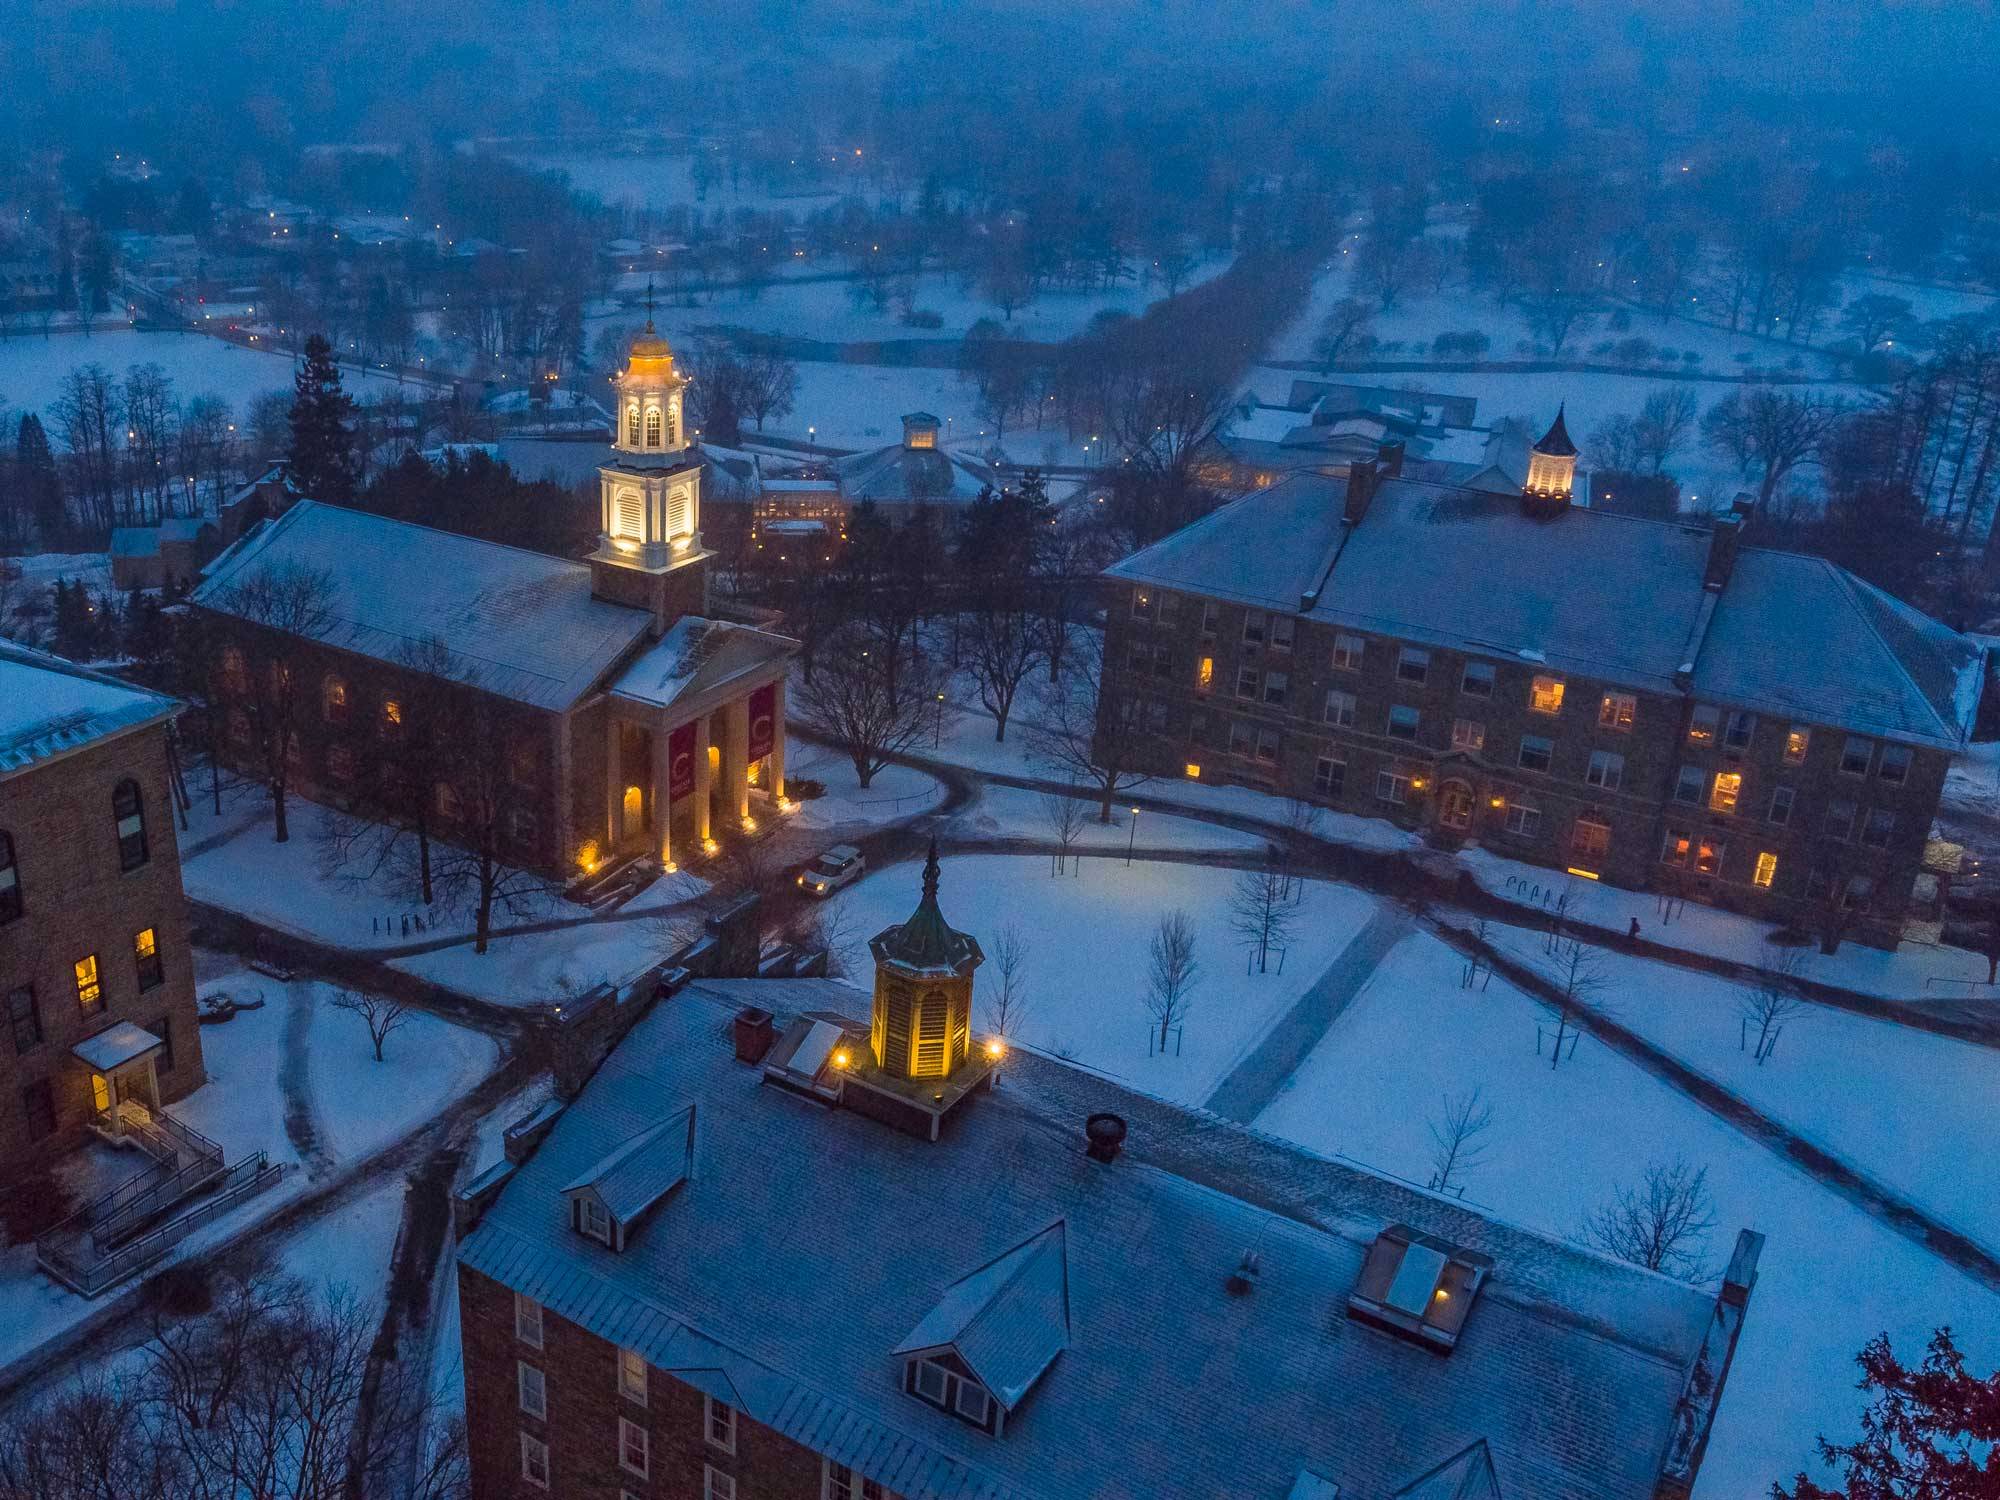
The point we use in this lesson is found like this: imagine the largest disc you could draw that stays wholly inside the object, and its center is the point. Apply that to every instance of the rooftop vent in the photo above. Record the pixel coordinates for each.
(1243, 1280)
(1418, 1286)
(1106, 1136)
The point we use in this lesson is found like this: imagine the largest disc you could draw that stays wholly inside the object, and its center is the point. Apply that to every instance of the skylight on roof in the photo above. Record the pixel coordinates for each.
(1418, 1286)
(1416, 1279)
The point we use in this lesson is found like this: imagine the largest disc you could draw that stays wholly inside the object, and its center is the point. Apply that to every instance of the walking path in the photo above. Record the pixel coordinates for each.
(295, 1083)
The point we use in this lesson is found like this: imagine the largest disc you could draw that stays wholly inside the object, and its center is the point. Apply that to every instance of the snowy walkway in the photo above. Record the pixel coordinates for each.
(1257, 1079)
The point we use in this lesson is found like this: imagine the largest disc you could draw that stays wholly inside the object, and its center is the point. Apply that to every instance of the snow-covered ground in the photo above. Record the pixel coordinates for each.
(1087, 938)
(665, 181)
(892, 793)
(1008, 812)
(1564, 1140)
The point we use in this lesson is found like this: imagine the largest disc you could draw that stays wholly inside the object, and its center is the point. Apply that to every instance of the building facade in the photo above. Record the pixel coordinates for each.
(95, 964)
(632, 723)
(1649, 703)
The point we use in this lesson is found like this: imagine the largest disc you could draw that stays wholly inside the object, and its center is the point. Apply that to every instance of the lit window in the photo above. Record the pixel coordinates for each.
(1204, 677)
(1781, 805)
(1413, 665)
(1468, 735)
(1536, 753)
(1856, 755)
(89, 993)
(1798, 739)
(655, 427)
(1142, 605)
(129, 811)
(634, 1455)
(1766, 871)
(1894, 764)
(1545, 695)
(1403, 722)
(1675, 848)
(528, 1321)
(632, 425)
(632, 1375)
(1478, 679)
(1606, 770)
(10, 881)
(1722, 796)
(1329, 776)
(534, 1461)
(1340, 709)
(1708, 856)
(1702, 724)
(1741, 727)
(533, 1389)
(392, 715)
(1617, 711)
(333, 701)
(1524, 818)
(1348, 650)
(146, 956)
(720, 1424)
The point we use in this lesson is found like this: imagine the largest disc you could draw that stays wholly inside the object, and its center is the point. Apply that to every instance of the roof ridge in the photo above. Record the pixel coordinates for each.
(1059, 1226)
(1847, 582)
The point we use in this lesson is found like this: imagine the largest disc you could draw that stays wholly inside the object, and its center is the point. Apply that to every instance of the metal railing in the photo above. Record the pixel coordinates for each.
(243, 1181)
(119, 1223)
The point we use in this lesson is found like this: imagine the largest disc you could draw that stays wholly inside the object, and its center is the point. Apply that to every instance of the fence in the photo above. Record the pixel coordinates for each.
(245, 1180)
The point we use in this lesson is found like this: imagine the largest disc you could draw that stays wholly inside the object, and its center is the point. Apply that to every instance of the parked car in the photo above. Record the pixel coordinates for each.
(841, 865)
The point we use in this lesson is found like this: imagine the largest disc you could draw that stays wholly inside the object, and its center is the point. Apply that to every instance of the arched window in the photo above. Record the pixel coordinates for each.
(333, 700)
(673, 422)
(129, 809)
(10, 881)
(632, 425)
(653, 428)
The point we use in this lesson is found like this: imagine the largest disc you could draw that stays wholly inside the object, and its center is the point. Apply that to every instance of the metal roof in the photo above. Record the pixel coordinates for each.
(1008, 1320)
(115, 1046)
(49, 706)
(634, 1176)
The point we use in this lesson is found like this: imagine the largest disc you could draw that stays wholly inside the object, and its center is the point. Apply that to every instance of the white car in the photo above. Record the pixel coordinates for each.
(841, 865)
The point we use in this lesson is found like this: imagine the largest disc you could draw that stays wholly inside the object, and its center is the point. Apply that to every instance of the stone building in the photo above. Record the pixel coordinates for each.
(95, 964)
(1651, 703)
(635, 723)
(768, 1251)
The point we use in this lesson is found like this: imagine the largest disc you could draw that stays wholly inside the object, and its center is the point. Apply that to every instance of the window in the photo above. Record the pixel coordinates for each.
(164, 1030)
(1818, 882)
(1478, 679)
(1590, 836)
(528, 1321)
(446, 799)
(972, 1403)
(534, 1461)
(632, 425)
(234, 674)
(1198, 728)
(1708, 856)
(1545, 695)
(89, 993)
(24, 1019)
(1340, 709)
(1536, 752)
(1689, 784)
(655, 427)
(1348, 651)
(533, 1389)
(1392, 786)
(10, 881)
(1246, 682)
(146, 957)
(38, 1103)
(1728, 787)
(1281, 632)
(1798, 739)
(1856, 754)
(1879, 827)
(633, 1454)
(340, 763)
(392, 716)
(1524, 818)
(1163, 661)
(333, 701)
(1840, 820)
(130, 813)
(1766, 871)
(1781, 805)
(719, 1424)
(1211, 619)
(1859, 889)
(1606, 770)
(1740, 728)
(1702, 723)
(521, 824)
(1267, 745)
(1329, 776)
(1241, 740)
(839, 1482)
(1675, 848)
(1617, 711)
(716, 1485)
(632, 1375)
(593, 1220)
(1275, 684)
(1402, 722)
(1170, 608)
(1468, 735)
(1204, 675)
(1413, 665)
(1894, 764)
(1255, 623)
(932, 1381)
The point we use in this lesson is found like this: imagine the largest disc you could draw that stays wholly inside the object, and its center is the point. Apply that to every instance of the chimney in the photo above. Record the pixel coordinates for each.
(1362, 477)
(1106, 1135)
(754, 1034)
(1723, 542)
(1390, 458)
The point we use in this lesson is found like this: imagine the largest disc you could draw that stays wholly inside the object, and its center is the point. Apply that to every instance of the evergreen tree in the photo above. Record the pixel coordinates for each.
(322, 453)
(41, 480)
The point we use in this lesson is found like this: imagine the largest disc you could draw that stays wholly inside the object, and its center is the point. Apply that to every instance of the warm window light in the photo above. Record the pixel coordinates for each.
(1546, 696)
(1418, 782)
(1497, 802)
(1207, 673)
(1586, 874)
(1193, 771)
(1728, 785)
(1767, 870)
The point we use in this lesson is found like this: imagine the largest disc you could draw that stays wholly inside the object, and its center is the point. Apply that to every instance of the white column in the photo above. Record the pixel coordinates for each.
(663, 798)
(778, 741)
(736, 758)
(614, 787)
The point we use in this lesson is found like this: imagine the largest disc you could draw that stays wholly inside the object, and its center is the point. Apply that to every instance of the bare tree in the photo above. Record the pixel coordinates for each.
(1171, 968)
(1344, 333)
(1663, 1225)
(827, 926)
(382, 1014)
(850, 698)
(1666, 420)
(1007, 1002)
(770, 386)
(1303, 822)
(1261, 912)
(1002, 647)
(1065, 814)
(1769, 1001)
(1455, 1145)
(1081, 737)
(1578, 976)
(1770, 433)
(1478, 968)
(287, 602)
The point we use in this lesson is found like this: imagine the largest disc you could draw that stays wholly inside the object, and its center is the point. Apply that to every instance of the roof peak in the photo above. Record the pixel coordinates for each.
(1556, 441)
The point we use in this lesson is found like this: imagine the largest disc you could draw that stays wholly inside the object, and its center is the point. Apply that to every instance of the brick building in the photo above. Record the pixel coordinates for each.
(95, 965)
(867, 1260)
(633, 724)
(1651, 703)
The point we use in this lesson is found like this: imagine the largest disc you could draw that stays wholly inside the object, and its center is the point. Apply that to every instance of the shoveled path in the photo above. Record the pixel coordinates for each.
(302, 1126)
(1257, 1079)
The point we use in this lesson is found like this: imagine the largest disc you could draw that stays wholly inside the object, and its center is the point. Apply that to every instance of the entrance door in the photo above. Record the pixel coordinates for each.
(1455, 805)
(634, 822)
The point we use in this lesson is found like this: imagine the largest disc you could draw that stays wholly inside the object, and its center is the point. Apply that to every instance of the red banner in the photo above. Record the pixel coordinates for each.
(763, 720)
(680, 762)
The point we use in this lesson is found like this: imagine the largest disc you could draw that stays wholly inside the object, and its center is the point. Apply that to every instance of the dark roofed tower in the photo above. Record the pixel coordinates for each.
(922, 1022)
(1551, 470)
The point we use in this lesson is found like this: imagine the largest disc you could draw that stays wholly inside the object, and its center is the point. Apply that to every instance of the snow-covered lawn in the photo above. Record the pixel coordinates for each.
(1563, 1141)
(1087, 938)
(892, 793)
(1009, 812)
(540, 968)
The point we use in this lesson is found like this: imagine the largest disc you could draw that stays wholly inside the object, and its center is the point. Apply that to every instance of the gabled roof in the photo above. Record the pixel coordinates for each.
(525, 624)
(899, 475)
(1008, 1320)
(696, 657)
(926, 942)
(49, 706)
(634, 1176)
(1464, 1476)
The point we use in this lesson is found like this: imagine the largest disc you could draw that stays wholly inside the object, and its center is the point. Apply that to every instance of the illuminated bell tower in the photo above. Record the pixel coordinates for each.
(649, 550)
(1551, 471)
(922, 1021)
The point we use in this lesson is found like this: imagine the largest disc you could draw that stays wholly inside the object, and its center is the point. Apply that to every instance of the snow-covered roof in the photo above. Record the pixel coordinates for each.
(119, 1043)
(144, 541)
(1008, 1320)
(697, 656)
(49, 706)
(1607, 596)
(524, 623)
(807, 1244)
(900, 475)
(634, 1176)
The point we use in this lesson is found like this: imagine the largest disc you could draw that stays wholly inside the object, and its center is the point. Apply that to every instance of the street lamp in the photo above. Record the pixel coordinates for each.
(1131, 838)
(937, 730)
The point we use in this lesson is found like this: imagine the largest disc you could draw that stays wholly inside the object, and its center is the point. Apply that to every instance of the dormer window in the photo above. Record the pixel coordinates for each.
(1418, 1286)
(593, 1220)
(609, 1201)
(950, 1391)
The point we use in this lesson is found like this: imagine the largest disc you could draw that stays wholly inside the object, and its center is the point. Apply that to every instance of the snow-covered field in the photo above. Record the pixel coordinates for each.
(1087, 939)
(1564, 1140)
(666, 181)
